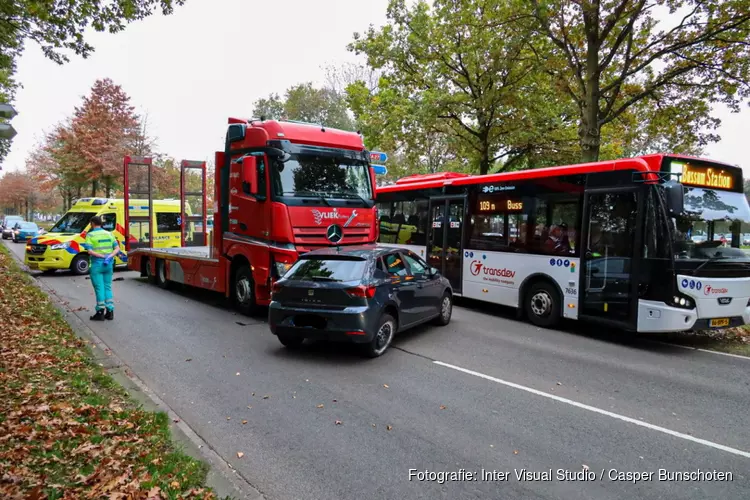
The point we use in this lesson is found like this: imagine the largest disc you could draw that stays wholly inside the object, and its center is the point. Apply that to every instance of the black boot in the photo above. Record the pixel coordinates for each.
(110, 314)
(99, 316)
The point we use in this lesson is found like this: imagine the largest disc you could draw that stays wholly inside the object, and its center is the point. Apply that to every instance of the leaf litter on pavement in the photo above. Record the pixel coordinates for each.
(67, 430)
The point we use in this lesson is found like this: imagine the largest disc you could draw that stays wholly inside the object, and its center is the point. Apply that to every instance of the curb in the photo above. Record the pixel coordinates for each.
(222, 477)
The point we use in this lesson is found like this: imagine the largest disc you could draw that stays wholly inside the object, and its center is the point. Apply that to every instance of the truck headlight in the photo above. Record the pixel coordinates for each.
(59, 246)
(282, 268)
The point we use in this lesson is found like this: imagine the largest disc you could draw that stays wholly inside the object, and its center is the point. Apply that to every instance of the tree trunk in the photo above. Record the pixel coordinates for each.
(589, 130)
(108, 187)
(484, 160)
(94, 187)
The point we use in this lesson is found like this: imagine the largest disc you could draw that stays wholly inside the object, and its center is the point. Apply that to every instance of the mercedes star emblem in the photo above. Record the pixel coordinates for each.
(334, 233)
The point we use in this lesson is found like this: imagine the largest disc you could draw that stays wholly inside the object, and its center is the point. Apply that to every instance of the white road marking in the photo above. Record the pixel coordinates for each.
(740, 356)
(594, 409)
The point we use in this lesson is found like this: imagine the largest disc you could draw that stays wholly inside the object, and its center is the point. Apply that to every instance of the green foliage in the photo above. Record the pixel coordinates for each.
(306, 103)
(663, 62)
(457, 76)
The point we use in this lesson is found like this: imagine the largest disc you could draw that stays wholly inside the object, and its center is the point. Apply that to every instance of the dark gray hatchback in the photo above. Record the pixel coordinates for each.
(362, 294)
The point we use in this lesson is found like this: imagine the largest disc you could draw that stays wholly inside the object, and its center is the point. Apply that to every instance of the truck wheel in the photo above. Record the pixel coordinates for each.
(80, 264)
(543, 305)
(382, 338)
(161, 274)
(244, 291)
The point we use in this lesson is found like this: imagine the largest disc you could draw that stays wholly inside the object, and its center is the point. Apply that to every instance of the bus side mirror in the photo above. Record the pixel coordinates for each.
(249, 174)
(675, 197)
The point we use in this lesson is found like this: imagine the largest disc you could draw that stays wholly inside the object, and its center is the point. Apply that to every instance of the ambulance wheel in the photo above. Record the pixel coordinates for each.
(80, 264)
(161, 274)
(243, 295)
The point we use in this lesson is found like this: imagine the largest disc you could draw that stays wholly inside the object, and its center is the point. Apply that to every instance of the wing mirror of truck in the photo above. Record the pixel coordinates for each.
(250, 174)
(675, 198)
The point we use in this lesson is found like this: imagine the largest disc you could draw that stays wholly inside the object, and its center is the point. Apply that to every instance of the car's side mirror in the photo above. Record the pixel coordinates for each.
(433, 272)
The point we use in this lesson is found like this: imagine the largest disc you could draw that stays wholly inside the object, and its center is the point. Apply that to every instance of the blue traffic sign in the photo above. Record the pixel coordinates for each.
(378, 157)
(380, 169)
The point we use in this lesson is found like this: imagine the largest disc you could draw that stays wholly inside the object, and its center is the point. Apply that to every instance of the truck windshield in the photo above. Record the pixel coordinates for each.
(72, 222)
(306, 175)
(711, 225)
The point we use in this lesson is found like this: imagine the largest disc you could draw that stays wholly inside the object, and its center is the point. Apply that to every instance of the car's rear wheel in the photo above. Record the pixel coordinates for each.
(382, 338)
(290, 341)
(446, 309)
(80, 264)
(543, 305)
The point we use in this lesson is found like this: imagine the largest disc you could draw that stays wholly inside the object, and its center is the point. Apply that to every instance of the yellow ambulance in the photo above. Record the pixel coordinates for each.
(62, 246)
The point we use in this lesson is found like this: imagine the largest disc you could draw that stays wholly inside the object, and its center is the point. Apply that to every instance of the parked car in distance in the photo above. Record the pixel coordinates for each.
(24, 231)
(361, 294)
(8, 222)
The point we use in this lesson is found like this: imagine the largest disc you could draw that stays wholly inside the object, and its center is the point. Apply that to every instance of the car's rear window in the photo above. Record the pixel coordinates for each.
(327, 270)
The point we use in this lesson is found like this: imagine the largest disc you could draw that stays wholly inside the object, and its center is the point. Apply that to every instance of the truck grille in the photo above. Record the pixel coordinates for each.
(315, 237)
(37, 249)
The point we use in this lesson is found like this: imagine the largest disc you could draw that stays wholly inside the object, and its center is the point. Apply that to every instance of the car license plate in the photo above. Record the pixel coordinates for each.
(719, 322)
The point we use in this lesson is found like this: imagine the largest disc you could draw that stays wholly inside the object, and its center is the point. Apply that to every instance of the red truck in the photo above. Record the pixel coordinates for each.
(282, 188)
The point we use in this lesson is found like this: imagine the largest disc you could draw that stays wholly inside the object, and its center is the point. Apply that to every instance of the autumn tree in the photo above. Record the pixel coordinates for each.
(613, 57)
(18, 192)
(105, 127)
(306, 103)
(59, 28)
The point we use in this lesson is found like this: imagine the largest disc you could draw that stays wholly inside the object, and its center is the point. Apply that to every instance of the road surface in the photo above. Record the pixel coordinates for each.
(487, 393)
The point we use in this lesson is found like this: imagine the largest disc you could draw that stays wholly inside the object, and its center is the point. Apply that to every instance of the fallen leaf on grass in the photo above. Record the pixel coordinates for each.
(175, 485)
(240, 454)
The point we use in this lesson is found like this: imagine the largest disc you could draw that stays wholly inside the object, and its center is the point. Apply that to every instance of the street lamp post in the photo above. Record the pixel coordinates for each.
(6, 129)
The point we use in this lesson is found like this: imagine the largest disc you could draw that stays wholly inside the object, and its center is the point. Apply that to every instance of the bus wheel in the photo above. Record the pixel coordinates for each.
(543, 305)
(161, 274)
(80, 264)
(243, 295)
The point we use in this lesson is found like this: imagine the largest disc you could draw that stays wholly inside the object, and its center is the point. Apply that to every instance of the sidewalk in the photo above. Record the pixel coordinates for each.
(67, 430)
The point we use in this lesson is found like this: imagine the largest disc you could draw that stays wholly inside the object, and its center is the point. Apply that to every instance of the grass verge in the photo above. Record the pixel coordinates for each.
(67, 430)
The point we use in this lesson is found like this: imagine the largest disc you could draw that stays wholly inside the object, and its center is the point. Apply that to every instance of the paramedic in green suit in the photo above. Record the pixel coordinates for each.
(102, 248)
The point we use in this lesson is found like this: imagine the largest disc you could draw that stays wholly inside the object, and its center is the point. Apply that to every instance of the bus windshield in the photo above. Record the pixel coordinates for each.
(321, 176)
(72, 222)
(711, 225)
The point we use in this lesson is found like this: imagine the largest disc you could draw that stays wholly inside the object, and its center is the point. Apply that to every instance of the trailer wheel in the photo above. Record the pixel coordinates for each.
(150, 274)
(161, 274)
(243, 295)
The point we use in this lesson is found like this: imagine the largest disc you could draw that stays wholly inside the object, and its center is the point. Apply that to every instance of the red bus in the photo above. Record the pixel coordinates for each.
(647, 244)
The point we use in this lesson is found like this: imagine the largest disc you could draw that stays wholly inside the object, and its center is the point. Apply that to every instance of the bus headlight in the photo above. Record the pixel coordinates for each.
(683, 302)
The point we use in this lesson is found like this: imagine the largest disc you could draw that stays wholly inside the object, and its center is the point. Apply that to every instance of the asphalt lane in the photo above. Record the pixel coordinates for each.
(440, 419)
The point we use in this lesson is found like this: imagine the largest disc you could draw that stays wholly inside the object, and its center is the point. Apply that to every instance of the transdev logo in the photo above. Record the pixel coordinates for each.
(709, 290)
(476, 267)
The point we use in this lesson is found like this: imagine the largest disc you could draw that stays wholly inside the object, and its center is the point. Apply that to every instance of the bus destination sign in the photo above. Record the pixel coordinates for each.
(493, 205)
(709, 176)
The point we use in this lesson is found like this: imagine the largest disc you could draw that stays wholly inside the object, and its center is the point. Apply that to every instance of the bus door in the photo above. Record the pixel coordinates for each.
(444, 237)
(612, 233)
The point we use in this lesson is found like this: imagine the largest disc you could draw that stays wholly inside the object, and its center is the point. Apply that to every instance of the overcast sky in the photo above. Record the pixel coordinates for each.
(212, 59)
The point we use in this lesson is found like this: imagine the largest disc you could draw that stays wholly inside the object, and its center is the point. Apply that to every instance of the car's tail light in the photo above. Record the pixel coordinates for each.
(275, 288)
(362, 292)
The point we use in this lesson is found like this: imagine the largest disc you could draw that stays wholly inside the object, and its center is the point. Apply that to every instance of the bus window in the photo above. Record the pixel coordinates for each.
(167, 222)
(488, 232)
